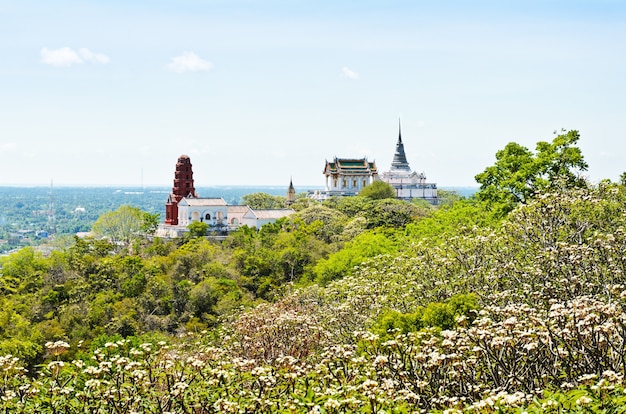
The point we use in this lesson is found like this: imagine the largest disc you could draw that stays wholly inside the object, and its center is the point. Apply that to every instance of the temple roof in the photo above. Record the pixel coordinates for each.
(238, 208)
(350, 166)
(263, 214)
(399, 158)
(202, 202)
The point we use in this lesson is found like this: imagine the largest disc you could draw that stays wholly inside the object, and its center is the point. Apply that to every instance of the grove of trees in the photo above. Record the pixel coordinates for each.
(510, 301)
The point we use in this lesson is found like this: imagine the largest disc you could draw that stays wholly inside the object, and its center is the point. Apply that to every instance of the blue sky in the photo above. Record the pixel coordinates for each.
(255, 92)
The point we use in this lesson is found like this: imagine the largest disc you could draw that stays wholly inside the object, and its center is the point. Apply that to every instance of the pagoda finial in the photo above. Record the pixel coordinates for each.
(399, 158)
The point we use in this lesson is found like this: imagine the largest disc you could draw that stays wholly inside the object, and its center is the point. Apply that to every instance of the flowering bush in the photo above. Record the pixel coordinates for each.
(540, 326)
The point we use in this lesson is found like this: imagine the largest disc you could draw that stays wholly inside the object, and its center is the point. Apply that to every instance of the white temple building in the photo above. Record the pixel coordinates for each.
(219, 215)
(184, 207)
(346, 177)
(408, 184)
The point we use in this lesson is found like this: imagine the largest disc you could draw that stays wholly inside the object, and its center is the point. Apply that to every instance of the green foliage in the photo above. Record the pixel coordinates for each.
(452, 308)
(363, 247)
(22, 271)
(150, 222)
(349, 206)
(323, 222)
(378, 190)
(121, 225)
(302, 202)
(451, 220)
(393, 213)
(519, 175)
(18, 336)
(433, 315)
(197, 229)
(392, 322)
(263, 201)
(448, 198)
(387, 212)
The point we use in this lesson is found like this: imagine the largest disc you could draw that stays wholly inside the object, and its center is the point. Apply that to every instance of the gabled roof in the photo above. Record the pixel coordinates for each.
(238, 208)
(350, 166)
(202, 202)
(272, 214)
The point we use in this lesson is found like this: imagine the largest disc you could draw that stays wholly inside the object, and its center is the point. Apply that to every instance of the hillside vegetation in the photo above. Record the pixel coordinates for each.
(512, 301)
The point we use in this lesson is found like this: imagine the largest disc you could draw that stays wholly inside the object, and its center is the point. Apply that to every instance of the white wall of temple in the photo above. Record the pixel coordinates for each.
(399, 178)
(352, 183)
(416, 192)
(212, 215)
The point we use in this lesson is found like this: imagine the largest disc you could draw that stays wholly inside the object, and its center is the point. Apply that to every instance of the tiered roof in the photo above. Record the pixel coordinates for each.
(350, 166)
(201, 202)
(399, 157)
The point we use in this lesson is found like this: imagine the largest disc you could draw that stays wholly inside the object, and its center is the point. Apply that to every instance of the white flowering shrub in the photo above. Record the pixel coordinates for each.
(545, 332)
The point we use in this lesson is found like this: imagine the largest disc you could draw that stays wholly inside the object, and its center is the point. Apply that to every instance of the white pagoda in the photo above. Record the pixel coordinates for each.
(408, 184)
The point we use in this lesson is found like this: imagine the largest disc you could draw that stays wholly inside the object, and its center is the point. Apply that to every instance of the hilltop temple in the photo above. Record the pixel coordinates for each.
(347, 177)
(408, 184)
(184, 206)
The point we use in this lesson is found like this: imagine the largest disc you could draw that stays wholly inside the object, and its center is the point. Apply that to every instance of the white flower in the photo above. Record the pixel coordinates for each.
(331, 404)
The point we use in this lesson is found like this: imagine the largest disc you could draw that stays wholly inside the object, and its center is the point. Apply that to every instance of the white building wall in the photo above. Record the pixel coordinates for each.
(216, 215)
(352, 183)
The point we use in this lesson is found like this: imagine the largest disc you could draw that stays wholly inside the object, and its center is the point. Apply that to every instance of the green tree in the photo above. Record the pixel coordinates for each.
(263, 201)
(448, 198)
(22, 271)
(323, 222)
(394, 213)
(350, 206)
(452, 220)
(378, 190)
(356, 251)
(150, 222)
(121, 225)
(197, 229)
(519, 174)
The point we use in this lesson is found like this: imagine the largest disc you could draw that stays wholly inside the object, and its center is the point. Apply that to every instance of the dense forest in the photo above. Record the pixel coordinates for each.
(513, 300)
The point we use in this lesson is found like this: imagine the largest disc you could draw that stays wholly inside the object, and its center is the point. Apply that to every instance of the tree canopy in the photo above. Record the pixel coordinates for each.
(378, 190)
(263, 201)
(120, 225)
(519, 174)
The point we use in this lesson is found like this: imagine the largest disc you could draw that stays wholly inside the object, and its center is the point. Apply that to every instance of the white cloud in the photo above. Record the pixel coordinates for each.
(7, 147)
(60, 57)
(349, 73)
(188, 62)
(92, 57)
(67, 56)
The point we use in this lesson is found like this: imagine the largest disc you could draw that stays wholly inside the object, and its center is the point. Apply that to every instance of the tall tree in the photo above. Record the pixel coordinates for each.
(121, 225)
(519, 174)
(263, 201)
(378, 190)
(150, 222)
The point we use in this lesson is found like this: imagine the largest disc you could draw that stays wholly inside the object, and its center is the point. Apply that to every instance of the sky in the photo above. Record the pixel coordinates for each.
(112, 92)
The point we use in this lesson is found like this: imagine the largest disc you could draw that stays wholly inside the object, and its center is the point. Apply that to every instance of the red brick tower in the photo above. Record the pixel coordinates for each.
(183, 187)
